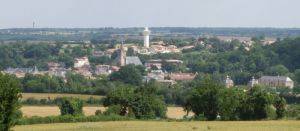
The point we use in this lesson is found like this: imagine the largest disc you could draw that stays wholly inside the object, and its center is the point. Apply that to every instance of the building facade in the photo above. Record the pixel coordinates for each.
(276, 81)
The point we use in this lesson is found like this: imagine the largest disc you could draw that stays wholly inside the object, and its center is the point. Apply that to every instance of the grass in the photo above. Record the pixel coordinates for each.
(167, 126)
(52, 96)
(29, 111)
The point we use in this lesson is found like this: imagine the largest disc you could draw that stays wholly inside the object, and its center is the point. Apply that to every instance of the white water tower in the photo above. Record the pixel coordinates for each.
(146, 34)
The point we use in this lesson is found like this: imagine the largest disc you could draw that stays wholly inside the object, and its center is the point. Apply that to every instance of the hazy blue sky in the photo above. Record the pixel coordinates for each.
(139, 13)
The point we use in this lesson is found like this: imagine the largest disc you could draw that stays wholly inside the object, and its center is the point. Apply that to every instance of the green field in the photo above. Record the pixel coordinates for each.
(167, 126)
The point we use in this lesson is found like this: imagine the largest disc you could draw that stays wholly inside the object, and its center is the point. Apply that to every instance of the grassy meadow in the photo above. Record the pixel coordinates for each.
(167, 126)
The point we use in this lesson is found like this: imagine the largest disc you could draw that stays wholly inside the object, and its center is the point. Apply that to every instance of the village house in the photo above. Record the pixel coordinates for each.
(82, 66)
(57, 69)
(98, 53)
(153, 64)
(158, 75)
(181, 76)
(103, 70)
(21, 72)
(276, 81)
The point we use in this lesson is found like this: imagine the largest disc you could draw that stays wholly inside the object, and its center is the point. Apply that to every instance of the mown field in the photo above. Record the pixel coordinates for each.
(29, 111)
(167, 126)
(52, 96)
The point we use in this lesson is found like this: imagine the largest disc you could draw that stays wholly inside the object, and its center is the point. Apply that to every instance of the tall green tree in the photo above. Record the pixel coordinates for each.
(129, 74)
(122, 96)
(280, 105)
(205, 99)
(9, 101)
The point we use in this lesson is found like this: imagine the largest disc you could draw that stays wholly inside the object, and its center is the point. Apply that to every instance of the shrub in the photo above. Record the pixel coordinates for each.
(113, 110)
(43, 101)
(70, 119)
(293, 111)
(98, 112)
(71, 106)
(31, 101)
(271, 112)
(280, 105)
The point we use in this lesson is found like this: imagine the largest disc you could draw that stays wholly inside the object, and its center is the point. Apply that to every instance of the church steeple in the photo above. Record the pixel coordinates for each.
(122, 55)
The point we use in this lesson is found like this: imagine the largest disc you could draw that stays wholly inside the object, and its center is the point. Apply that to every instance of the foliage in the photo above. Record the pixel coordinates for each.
(280, 105)
(114, 110)
(56, 101)
(277, 70)
(205, 99)
(147, 105)
(71, 106)
(293, 111)
(9, 102)
(230, 102)
(70, 119)
(98, 112)
(142, 102)
(130, 74)
(210, 99)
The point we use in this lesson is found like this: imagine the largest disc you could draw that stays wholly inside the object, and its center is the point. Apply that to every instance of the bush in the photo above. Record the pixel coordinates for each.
(280, 105)
(271, 112)
(70, 119)
(113, 110)
(98, 112)
(31, 101)
(56, 101)
(293, 111)
(71, 106)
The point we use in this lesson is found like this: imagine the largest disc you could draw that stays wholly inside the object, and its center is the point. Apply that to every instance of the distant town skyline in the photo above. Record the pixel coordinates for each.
(151, 13)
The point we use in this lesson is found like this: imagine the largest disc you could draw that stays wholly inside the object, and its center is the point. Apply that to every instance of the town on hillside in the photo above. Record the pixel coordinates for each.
(123, 54)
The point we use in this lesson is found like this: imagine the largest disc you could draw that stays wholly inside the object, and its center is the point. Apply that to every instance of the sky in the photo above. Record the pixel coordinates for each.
(152, 13)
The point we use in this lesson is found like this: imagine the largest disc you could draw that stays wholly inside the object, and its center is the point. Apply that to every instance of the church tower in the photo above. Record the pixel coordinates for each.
(122, 56)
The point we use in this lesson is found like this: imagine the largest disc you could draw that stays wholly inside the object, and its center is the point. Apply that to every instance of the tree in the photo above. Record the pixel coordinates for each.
(255, 105)
(122, 96)
(9, 101)
(230, 101)
(130, 74)
(71, 106)
(277, 70)
(146, 104)
(280, 105)
(142, 102)
(297, 76)
(205, 99)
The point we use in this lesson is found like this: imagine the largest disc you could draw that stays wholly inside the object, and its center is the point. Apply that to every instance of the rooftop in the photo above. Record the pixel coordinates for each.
(133, 60)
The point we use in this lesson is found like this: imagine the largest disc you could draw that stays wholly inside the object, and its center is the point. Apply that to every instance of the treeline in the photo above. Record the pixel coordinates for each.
(207, 99)
(56, 101)
(29, 55)
(75, 34)
(128, 75)
(213, 101)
